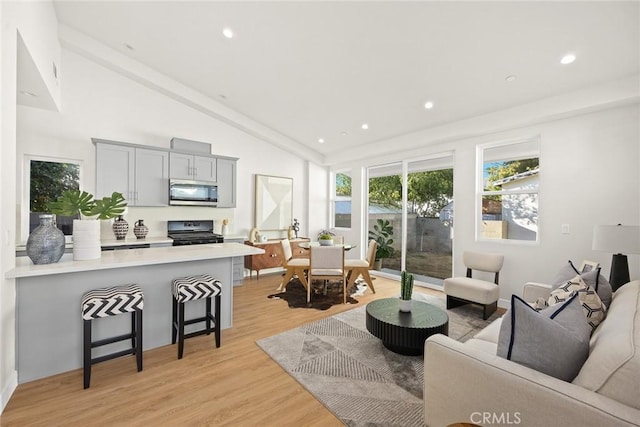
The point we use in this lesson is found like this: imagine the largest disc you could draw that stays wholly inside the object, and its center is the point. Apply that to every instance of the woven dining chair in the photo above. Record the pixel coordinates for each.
(293, 266)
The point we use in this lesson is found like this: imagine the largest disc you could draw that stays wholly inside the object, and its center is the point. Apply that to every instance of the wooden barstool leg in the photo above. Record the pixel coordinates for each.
(87, 353)
(207, 315)
(217, 321)
(180, 329)
(138, 346)
(174, 320)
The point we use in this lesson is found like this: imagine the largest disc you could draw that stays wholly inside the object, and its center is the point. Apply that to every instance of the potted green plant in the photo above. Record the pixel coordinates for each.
(86, 233)
(325, 238)
(406, 290)
(381, 233)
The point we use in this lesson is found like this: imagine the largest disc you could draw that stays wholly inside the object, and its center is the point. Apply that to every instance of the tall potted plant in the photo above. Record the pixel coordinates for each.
(86, 231)
(381, 233)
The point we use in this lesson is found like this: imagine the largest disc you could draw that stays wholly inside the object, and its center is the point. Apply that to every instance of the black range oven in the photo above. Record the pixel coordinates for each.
(198, 232)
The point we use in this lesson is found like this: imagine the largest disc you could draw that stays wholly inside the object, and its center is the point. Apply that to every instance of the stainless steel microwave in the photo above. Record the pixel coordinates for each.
(192, 193)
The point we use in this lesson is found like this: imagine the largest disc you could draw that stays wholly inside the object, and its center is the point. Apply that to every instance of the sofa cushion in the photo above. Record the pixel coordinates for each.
(554, 341)
(613, 366)
(592, 307)
(592, 278)
(491, 332)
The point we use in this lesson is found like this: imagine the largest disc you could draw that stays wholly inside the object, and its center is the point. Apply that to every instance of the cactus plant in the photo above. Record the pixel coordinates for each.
(406, 285)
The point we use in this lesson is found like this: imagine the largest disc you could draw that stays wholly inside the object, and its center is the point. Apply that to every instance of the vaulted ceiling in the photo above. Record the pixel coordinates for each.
(313, 71)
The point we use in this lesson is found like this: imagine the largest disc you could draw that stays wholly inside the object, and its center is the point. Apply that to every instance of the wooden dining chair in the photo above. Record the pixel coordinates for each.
(357, 267)
(327, 263)
(293, 266)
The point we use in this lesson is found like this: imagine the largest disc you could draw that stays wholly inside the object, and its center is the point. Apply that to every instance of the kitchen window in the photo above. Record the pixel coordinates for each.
(47, 179)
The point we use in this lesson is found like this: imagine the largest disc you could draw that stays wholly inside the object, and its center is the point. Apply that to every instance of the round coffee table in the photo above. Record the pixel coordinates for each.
(405, 333)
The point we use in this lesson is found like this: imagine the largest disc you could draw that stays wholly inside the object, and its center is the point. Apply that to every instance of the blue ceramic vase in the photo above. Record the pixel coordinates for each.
(45, 244)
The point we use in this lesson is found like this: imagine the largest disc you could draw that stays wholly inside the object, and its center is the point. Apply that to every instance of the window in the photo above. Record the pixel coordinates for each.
(47, 180)
(508, 190)
(342, 200)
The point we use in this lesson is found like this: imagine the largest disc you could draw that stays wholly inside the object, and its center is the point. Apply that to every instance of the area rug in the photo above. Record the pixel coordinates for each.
(353, 374)
(322, 298)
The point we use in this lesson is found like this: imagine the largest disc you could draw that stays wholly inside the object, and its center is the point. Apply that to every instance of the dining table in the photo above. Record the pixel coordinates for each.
(308, 245)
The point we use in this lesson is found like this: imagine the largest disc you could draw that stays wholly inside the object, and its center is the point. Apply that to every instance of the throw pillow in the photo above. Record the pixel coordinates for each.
(593, 308)
(554, 341)
(592, 278)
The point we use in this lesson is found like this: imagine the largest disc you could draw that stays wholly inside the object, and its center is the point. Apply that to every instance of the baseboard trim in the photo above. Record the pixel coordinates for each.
(9, 388)
(504, 303)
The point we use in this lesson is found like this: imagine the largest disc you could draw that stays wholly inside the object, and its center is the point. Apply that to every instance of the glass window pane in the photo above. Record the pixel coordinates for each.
(343, 184)
(47, 181)
(510, 216)
(385, 216)
(342, 200)
(505, 175)
(429, 193)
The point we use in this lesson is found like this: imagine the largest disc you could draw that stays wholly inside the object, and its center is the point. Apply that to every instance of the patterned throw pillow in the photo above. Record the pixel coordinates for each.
(592, 307)
(592, 278)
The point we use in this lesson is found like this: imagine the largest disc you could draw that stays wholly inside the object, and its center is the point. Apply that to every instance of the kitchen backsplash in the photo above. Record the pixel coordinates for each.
(156, 219)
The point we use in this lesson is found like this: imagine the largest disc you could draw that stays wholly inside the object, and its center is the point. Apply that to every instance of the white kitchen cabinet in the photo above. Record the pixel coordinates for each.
(226, 183)
(140, 174)
(151, 177)
(193, 167)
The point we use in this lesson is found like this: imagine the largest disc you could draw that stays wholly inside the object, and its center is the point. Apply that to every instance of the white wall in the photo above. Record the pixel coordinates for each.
(100, 103)
(36, 22)
(589, 175)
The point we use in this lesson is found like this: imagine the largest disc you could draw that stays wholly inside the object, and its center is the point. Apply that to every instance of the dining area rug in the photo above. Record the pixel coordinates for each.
(322, 297)
(349, 370)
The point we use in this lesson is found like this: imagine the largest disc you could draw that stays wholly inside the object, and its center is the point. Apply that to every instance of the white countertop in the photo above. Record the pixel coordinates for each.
(132, 258)
(114, 242)
(135, 241)
(235, 236)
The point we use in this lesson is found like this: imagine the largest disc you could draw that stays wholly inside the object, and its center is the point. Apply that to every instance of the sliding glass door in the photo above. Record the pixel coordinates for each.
(385, 216)
(411, 203)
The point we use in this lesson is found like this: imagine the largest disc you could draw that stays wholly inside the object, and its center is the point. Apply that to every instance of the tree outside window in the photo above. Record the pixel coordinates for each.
(47, 181)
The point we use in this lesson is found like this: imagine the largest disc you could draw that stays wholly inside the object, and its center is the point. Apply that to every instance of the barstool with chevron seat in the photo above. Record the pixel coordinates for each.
(106, 302)
(192, 288)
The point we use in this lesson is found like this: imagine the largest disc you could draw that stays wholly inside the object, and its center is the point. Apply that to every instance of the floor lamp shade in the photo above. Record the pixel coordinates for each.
(619, 240)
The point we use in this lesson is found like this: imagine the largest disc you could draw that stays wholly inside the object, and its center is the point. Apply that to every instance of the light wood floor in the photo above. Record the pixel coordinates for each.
(236, 384)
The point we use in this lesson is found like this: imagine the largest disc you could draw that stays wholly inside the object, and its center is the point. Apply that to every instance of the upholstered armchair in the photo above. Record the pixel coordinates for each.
(467, 290)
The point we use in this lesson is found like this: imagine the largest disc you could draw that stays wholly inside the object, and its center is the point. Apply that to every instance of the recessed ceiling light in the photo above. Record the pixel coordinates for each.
(568, 59)
(228, 33)
(511, 78)
(321, 141)
(27, 93)
(428, 105)
(128, 46)
(365, 126)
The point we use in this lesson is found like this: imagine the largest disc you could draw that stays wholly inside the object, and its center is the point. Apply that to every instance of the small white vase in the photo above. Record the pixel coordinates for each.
(404, 305)
(326, 242)
(86, 239)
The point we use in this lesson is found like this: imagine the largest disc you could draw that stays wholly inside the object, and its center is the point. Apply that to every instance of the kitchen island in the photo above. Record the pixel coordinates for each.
(48, 318)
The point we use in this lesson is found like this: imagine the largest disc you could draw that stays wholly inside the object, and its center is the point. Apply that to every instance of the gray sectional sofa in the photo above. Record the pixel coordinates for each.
(468, 383)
